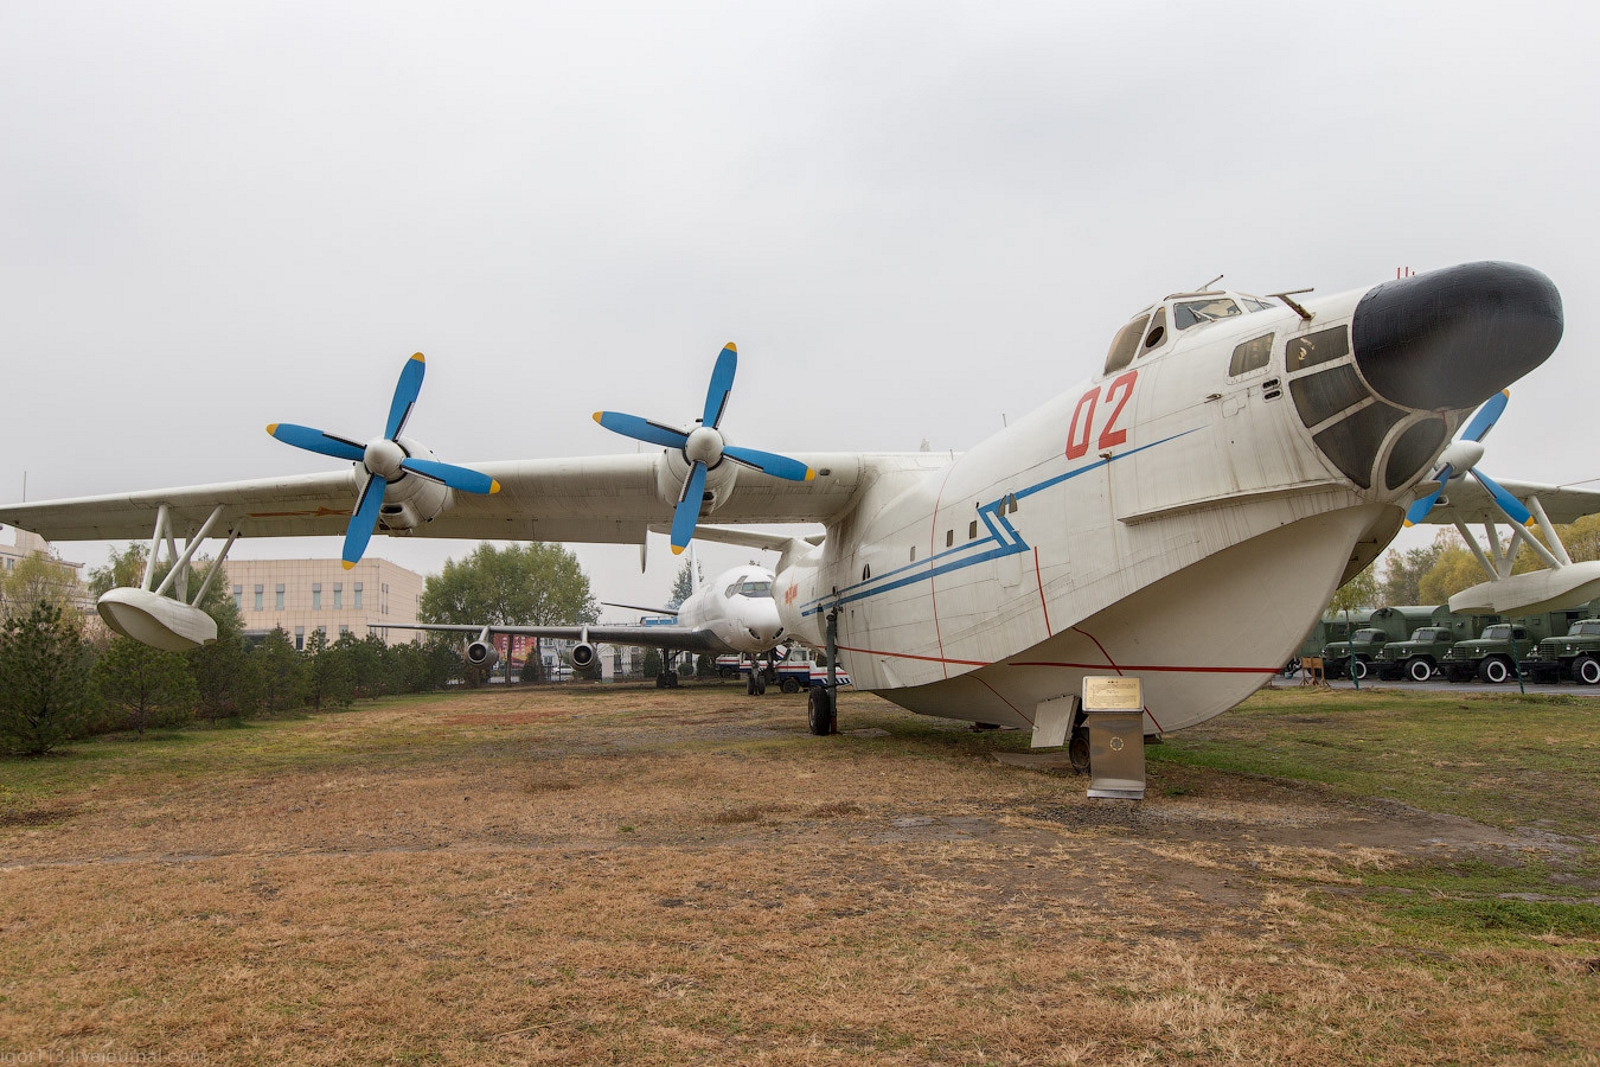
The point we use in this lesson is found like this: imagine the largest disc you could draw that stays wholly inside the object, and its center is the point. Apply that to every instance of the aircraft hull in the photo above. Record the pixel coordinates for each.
(1200, 640)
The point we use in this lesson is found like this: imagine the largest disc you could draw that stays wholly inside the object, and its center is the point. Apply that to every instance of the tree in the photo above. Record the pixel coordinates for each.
(123, 569)
(650, 667)
(45, 692)
(532, 584)
(1359, 592)
(329, 674)
(1403, 571)
(146, 683)
(282, 671)
(38, 579)
(683, 585)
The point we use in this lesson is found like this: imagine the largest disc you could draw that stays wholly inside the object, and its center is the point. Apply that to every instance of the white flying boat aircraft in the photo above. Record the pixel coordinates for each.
(1182, 516)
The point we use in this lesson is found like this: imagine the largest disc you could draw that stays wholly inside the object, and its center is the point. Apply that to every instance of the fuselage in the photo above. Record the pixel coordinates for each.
(1183, 516)
(737, 608)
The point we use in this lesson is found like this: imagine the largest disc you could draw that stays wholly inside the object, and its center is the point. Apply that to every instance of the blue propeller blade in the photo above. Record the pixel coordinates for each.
(317, 441)
(364, 521)
(405, 396)
(1424, 504)
(641, 429)
(1508, 503)
(770, 463)
(1487, 416)
(721, 385)
(687, 512)
(468, 481)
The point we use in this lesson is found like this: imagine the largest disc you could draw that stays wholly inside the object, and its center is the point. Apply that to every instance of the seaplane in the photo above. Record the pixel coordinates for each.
(732, 614)
(1182, 516)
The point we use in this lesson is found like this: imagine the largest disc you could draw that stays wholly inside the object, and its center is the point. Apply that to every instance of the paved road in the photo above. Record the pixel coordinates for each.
(1457, 687)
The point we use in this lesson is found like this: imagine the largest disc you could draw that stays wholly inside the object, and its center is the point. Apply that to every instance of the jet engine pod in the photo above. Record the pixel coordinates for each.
(482, 654)
(585, 659)
(157, 621)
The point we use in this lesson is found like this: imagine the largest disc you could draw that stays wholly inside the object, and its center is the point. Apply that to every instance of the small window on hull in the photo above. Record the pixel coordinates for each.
(1252, 355)
(1320, 347)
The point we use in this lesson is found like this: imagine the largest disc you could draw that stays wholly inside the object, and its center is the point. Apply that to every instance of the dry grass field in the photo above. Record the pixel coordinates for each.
(588, 875)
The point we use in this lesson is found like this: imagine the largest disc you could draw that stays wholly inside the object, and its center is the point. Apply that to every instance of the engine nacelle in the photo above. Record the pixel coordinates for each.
(673, 469)
(412, 500)
(482, 654)
(585, 659)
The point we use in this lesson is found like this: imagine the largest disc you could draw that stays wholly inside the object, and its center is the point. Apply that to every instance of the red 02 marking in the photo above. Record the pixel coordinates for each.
(1119, 392)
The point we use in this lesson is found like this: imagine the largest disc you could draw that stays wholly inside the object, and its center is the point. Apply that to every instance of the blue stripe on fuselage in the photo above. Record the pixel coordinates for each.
(1002, 535)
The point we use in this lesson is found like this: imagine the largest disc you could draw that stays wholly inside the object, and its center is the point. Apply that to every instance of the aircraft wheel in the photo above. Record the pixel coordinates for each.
(1494, 670)
(790, 685)
(761, 687)
(1586, 670)
(1421, 669)
(1358, 669)
(820, 711)
(750, 684)
(1078, 750)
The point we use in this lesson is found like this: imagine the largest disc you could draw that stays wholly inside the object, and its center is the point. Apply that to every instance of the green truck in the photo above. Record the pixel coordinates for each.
(1353, 658)
(1417, 657)
(1491, 658)
(1575, 655)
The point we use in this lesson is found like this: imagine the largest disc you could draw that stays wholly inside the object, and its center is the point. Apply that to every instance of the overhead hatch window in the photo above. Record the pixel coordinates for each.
(1187, 313)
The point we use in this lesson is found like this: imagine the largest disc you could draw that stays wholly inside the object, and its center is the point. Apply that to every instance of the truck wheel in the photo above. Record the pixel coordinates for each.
(1586, 670)
(1358, 669)
(1494, 670)
(1421, 669)
(727, 672)
(791, 685)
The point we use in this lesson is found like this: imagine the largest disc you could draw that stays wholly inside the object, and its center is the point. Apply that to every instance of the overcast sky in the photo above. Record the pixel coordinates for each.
(913, 218)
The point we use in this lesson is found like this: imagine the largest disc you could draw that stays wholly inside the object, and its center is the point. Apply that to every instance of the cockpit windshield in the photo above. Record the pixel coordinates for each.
(1187, 313)
(750, 588)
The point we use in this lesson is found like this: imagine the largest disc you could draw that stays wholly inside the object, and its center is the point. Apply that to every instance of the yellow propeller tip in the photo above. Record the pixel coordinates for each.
(810, 474)
(1531, 523)
(1410, 523)
(418, 357)
(731, 347)
(347, 564)
(272, 428)
(494, 486)
(597, 415)
(677, 550)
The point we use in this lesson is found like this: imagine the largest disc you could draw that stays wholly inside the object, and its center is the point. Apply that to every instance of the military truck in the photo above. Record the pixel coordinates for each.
(1491, 658)
(1353, 658)
(1417, 657)
(1575, 655)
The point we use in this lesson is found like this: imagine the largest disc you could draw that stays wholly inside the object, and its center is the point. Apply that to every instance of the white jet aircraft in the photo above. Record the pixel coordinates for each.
(1182, 516)
(733, 613)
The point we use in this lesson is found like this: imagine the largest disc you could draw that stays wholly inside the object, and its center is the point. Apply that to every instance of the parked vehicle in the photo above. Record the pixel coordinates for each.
(1353, 658)
(1491, 658)
(1417, 657)
(1575, 655)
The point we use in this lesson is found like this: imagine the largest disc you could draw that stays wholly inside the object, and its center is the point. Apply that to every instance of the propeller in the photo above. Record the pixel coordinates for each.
(703, 447)
(384, 460)
(1462, 456)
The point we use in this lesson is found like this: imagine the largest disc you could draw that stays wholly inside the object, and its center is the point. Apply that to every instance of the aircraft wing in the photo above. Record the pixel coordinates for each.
(676, 637)
(1469, 502)
(594, 499)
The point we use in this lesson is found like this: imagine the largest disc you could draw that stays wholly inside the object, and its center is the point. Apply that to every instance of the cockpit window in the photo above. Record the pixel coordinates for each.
(1254, 303)
(1126, 344)
(752, 589)
(1187, 313)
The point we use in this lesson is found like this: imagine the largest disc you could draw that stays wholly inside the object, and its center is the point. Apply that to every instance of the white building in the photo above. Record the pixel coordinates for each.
(306, 595)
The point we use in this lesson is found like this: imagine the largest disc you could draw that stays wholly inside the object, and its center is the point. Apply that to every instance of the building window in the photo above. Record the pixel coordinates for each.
(316, 596)
(259, 590)
(358, 596)
(343, 629)
(278, 600)
(384, 597)
(238, 597)
(299, 638)
(338, 595)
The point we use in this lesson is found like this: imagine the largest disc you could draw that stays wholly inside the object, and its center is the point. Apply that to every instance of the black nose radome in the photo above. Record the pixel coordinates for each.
(1453, 338)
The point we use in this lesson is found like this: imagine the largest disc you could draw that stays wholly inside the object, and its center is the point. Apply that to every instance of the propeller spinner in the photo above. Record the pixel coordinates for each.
(384, 460)
(1462, 456)
(703, 447)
